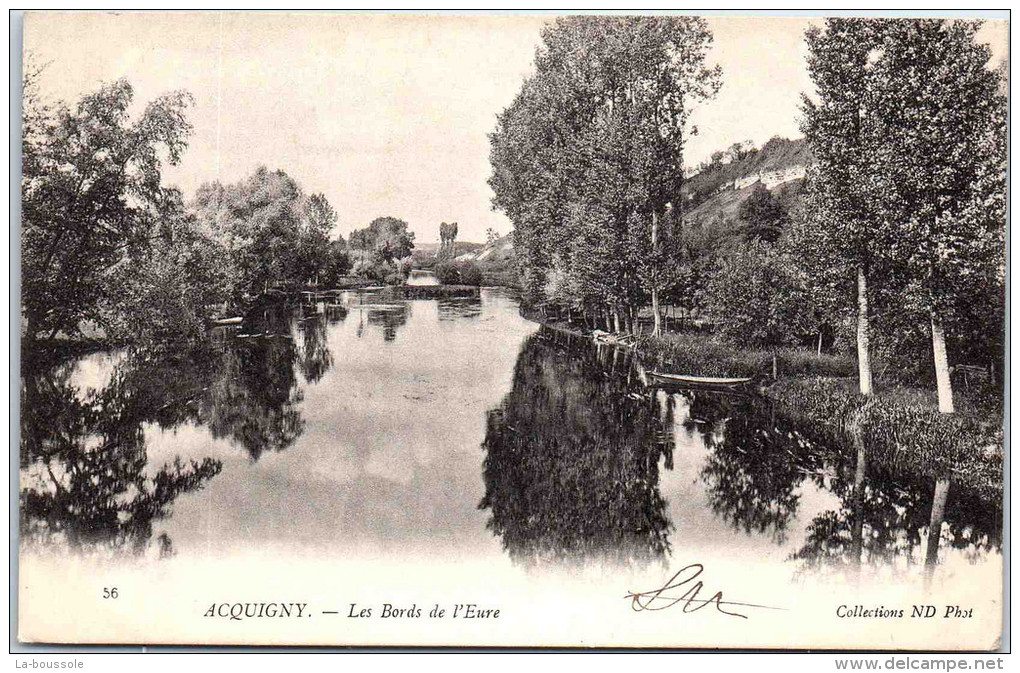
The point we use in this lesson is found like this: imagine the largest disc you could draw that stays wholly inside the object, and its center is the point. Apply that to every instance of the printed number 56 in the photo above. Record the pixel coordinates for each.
(109, 592)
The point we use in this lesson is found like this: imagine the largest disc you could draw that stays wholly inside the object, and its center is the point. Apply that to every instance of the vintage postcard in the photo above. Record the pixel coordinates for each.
(511, 329)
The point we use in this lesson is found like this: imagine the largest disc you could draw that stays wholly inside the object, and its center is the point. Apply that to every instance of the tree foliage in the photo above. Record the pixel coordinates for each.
(763, 216)
(590, 153)
(908, 134)
(387, 237)
(91, 196)
(272, 233)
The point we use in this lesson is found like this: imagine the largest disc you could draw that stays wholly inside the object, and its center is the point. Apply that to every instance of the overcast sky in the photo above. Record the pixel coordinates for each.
(386, 115)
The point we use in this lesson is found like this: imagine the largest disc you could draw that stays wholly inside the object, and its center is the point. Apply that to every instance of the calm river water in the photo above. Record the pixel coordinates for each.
(366, 427)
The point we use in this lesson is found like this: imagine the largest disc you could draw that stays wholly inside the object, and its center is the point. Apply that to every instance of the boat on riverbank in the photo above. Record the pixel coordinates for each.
(625, 340)
(698, 381)
(226, 321)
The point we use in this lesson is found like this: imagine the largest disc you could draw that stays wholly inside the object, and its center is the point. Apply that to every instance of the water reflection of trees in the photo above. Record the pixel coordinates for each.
(883, 518)
(571, 468)
(85, 478)
(390, 318)
(85, 472)
(253, 400)
(758, 464)
(571, 473)
(459, 307)
(315, 357)
(253, 397)
(754, 468)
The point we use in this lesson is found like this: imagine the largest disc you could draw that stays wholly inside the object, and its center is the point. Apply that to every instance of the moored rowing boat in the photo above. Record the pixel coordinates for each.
(687, 380)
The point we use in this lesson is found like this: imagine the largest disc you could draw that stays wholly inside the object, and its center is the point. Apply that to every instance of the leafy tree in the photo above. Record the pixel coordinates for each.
(842, 130)
(447, 240)
(259, 221)
(316, 250)
(164, 293)
(387, 238)
(942, 120)
(92, 196)
(337, 263)
(741, 150)
(491, 236)
(362, 241)
(272, 232)
(758, 296)
(763, 216)
(589, 155)
(392, 239)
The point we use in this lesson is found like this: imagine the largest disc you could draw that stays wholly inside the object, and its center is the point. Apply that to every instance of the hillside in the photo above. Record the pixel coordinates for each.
(714, 196)
(497, 254)
(778, 161)
(720, 210)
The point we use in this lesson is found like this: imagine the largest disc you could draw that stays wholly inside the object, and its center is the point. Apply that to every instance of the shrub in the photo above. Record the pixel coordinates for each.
(447, 273)
(470, 274)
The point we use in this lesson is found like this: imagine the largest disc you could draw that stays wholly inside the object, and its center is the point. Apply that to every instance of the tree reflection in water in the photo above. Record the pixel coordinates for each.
(571, 468)
(315, 357)
(85, 479)
(571, 473)
(759, 461)
(390, 317)
(883, 518)
(754, 467)
(253, 397)
(459, 307)
(253, 400)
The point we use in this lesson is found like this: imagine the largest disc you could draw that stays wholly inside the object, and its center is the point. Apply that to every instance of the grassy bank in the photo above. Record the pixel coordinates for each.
(701, 355)
(903, 429)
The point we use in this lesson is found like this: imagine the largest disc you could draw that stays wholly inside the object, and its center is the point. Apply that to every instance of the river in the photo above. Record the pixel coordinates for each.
(458, 438)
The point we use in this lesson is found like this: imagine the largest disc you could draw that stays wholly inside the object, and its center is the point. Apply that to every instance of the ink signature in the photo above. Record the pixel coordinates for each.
(669, 595)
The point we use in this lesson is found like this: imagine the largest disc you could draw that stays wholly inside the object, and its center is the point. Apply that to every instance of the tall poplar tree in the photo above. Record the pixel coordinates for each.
(842, 129)
(590, 154)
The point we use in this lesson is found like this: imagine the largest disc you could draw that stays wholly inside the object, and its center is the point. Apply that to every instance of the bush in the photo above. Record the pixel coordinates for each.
(470, 274)
(447, 273)
(394, 278)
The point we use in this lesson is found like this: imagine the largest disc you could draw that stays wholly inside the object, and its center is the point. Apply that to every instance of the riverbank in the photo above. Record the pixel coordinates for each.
(901, 426)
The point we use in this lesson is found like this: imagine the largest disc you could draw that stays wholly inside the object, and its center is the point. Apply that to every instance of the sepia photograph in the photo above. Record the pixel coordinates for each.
(510, 330)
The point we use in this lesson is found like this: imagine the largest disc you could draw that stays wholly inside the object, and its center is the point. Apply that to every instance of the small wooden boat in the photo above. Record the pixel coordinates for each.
(703, 381)
(228, 321)
(626, 340)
